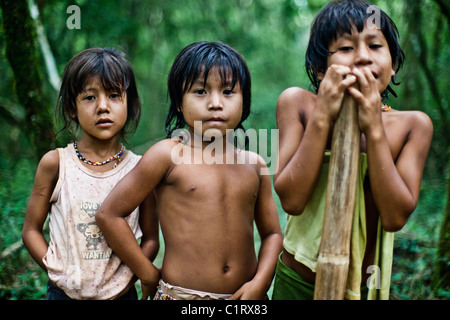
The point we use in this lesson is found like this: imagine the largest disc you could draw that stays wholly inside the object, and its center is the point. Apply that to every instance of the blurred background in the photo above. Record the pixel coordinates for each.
(39, 37)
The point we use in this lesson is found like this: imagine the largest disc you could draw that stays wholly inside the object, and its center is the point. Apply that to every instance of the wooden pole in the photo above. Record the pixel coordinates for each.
(334, 253)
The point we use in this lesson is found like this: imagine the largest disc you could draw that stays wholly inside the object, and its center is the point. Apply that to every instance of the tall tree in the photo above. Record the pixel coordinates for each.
(21, 52)
(441, 277)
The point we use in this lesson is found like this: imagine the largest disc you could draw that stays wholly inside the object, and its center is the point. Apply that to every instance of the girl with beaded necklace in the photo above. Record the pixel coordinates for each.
(98, 94)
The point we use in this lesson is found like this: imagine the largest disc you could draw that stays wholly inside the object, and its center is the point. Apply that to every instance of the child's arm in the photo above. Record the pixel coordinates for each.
(127, 195)
(148, 221)
(266, 219)
(395, 183)
(304, 122)
(39, 206)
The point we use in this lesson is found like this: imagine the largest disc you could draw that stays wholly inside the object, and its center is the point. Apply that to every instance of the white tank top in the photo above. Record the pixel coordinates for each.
(79, 260)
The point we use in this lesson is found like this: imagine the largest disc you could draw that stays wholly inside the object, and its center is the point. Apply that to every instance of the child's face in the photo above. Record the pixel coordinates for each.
(216, 105)
(368, 49)
(101, 114)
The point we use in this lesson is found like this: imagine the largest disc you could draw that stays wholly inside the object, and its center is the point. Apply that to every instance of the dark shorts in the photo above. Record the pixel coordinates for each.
(55, 293)
(289, 285)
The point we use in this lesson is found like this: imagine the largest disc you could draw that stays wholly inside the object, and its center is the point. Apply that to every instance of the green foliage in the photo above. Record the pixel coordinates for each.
(21, 52)
(441, 276)
(415, 247)
(20, 277)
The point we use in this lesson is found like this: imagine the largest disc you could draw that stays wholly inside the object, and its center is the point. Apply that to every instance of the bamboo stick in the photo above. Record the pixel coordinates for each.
(334, 253)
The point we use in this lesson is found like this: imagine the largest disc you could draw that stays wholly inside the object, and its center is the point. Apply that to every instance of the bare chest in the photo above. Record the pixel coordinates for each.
(223, 182)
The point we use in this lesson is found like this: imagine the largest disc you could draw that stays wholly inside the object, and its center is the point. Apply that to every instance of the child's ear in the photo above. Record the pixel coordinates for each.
(320, 75)
(73, 114)
(392, 72)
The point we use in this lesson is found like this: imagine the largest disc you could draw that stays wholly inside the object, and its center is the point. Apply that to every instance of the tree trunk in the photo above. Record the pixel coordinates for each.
(21, 51)
(441, 277)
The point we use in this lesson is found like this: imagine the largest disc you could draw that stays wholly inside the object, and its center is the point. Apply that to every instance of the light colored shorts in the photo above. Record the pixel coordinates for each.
(167, 291)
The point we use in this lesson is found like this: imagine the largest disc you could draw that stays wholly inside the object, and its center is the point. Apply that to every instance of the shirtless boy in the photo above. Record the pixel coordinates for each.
(206, 210)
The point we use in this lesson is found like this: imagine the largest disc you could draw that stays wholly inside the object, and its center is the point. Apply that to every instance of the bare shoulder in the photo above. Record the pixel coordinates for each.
(51, 158)
(158, 158)
(417, 121)
(256, 161)
(255, 158)
(49, 165)
(295, 97)
(295, 93)
(408, 128)
(294, 107)
(161, 149)
(410, 115)
(420, 120)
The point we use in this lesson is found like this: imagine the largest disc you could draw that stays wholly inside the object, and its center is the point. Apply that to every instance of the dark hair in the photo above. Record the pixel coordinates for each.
(115, 73)
(196, 60)
(338, 18)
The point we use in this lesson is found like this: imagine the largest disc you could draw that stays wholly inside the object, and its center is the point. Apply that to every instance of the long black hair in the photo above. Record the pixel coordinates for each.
(115, 73)
(196, 60)
(338, 18)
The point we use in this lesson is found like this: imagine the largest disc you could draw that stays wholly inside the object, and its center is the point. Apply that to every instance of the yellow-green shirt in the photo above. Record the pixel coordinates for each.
(304, 232)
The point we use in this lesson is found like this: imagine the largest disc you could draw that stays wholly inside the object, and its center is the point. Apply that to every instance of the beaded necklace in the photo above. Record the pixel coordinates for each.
(385, 108)
(96, 163)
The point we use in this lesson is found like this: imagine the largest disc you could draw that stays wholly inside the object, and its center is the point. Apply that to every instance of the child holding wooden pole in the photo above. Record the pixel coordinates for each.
(351, 42)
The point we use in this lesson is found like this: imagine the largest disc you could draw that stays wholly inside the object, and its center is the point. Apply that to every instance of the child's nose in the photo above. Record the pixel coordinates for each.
(362, 56)
(215, 101)
(102, 104)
